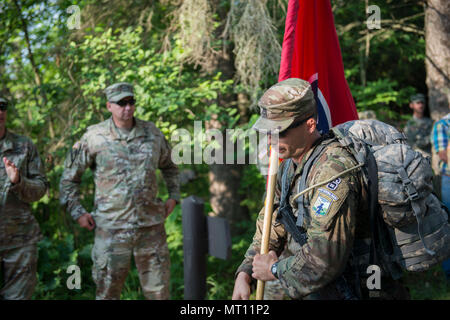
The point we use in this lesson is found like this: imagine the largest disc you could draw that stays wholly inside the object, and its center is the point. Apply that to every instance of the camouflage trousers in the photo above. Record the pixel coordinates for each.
(111, 257)
(18, 267)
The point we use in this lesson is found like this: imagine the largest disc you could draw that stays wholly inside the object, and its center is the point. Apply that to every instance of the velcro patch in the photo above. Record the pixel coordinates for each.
(323, 202)
(334, 184)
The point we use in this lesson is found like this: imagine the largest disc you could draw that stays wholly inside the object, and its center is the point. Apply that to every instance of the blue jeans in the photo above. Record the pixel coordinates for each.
(445, 188)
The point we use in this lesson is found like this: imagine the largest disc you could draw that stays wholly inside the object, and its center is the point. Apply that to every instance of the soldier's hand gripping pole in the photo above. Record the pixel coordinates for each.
(268, 211)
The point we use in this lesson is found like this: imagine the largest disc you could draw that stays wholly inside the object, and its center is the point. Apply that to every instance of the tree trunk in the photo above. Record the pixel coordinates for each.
(225, 179)
(224, 185)
(437, 62)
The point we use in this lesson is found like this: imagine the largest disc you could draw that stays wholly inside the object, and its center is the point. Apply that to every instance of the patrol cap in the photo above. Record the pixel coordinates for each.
(284, 102)
(118, 91)
(417, 97)
(3, 104)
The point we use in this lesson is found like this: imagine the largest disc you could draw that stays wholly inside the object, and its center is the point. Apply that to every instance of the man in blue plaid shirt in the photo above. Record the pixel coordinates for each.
(440, 138)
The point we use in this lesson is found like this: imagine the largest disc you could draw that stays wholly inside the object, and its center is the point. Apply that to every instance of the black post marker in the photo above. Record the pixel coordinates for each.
(195, 242)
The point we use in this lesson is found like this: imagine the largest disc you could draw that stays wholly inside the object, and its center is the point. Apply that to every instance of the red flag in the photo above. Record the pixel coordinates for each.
(311, 52)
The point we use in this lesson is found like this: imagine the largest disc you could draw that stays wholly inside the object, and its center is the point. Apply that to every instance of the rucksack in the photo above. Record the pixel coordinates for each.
(409, 225)
(417, 222)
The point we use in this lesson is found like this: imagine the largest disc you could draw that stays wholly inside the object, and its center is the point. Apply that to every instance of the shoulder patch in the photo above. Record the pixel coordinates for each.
(323, 202)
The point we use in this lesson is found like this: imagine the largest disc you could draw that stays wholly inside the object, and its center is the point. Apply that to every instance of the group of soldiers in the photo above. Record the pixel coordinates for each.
(124, 152)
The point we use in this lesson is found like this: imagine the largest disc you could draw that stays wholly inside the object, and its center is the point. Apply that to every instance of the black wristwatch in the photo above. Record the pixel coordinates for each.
(274, 269)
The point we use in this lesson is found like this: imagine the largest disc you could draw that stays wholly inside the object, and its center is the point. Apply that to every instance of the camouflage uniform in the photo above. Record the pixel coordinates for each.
(129, 217)
(19, 230)
(417, 132)
(336, 218)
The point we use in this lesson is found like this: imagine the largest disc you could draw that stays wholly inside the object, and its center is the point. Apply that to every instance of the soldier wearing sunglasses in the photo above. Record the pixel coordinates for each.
(323, 236)
(22, 181)
(124, 153)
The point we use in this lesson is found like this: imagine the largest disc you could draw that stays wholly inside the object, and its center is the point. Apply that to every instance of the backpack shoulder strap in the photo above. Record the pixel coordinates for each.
(285, 183)
(285, 215)
(302, 184)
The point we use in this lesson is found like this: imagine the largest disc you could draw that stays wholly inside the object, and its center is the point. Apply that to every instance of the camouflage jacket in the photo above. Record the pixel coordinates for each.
(18, 227)
(124, 171)
(418, 132)
(337, 215)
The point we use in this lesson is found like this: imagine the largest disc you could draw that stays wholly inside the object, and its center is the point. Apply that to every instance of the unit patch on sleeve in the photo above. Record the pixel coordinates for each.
(323, 202)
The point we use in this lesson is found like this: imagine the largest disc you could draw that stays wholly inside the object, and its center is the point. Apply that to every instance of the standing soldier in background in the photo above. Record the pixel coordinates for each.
(417, 129)
(22, 181)
(124, 152)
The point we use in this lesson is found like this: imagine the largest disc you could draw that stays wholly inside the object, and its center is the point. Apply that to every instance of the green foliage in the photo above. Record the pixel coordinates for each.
(71, 99)
(59, 95)
(428, 285)
(253, 186)
(174, 232)
(383, 96)
(55, 256)
(383, 72)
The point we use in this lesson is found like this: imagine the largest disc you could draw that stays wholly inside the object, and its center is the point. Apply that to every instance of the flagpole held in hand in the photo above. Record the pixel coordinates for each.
(268, 211)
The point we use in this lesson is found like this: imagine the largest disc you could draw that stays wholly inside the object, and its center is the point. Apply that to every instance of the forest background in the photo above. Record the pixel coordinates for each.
(206, 60)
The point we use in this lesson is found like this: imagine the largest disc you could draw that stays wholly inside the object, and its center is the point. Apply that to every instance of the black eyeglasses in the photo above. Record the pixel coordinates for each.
(123, 103)
(3, 106)
(294, 125)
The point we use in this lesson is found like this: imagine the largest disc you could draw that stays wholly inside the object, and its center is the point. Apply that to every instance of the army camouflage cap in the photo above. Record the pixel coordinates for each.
(417, 97)
(118, 91)
(284, 102)
(3, 104)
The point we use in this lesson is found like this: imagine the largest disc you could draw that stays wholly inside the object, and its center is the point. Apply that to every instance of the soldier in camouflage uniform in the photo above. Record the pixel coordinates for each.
(336, 223)
(22, 181)
(418, 129)
(124, 152)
